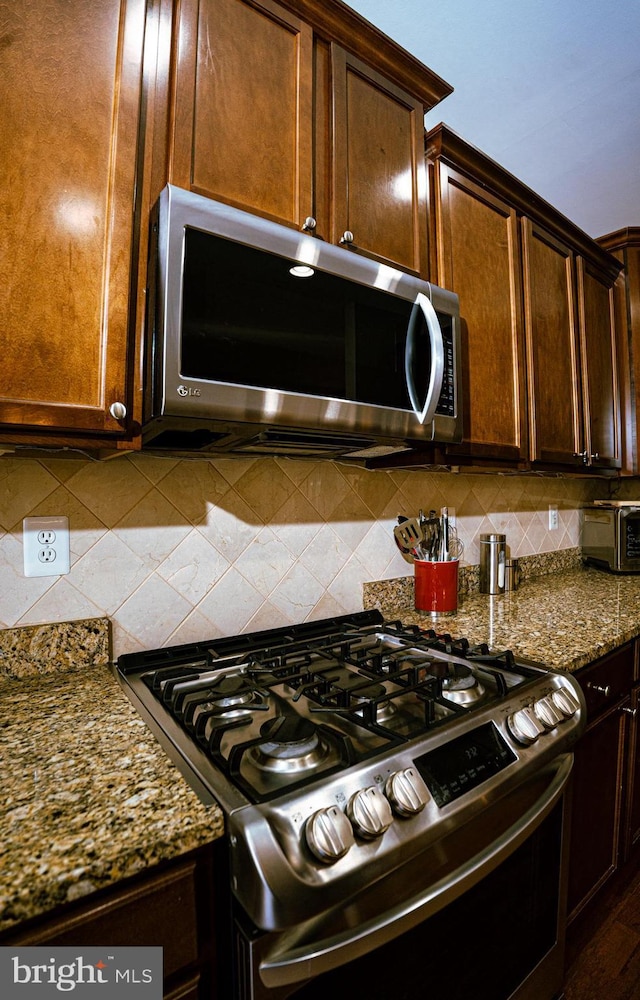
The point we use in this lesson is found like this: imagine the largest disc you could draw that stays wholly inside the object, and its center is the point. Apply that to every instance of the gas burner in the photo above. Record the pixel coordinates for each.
(384, 707)
(228, 698)
(291, 743)
(459, 684)
(232, 691)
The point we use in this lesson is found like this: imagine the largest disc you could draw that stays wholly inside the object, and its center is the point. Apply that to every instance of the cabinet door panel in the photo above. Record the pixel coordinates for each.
(478, 257)
(555, 412)
(599, 372)
(243, 120)
(70, 78)
(595, 826)
(379, 168)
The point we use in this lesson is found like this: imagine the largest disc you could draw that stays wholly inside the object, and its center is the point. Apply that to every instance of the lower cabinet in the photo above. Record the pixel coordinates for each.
(172, 908)
(605, 815)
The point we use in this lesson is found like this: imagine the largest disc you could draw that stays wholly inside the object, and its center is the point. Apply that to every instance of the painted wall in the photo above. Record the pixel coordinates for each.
(175, 550)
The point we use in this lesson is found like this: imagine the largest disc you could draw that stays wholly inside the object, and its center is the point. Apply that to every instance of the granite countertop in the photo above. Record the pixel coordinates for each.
(564, 620)
(89, 796)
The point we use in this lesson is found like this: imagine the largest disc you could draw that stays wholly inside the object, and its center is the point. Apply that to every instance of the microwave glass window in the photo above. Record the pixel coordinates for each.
(317, 335)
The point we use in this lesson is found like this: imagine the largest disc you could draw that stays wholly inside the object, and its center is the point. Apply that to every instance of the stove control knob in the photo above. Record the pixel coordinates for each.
(547, 713)
(329, 834)
(524, 726)
(406, 792)
(565, 702)
(369, 812)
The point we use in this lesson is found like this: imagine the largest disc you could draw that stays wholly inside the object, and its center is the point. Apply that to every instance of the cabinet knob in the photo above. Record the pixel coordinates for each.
(584, 455)
(347, 237)
(595, 456)
(118, 411)
(603, 689)
(309, 224)
(629, 711)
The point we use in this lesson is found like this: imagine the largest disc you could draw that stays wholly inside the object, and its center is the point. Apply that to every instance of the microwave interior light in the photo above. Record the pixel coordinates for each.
(301, 271)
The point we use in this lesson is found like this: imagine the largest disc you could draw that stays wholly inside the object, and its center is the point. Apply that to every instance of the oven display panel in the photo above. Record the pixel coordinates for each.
(464, 763)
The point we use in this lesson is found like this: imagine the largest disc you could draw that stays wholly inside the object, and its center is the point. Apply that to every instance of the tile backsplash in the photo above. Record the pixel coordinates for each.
(177, 550)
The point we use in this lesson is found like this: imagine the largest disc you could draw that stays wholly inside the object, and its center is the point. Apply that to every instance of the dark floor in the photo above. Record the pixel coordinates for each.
(603, 946)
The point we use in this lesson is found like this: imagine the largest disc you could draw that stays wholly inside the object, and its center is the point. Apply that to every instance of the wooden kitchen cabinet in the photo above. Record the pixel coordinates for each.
(242, 128)
(303, 111)
(71, 84)
(476, 254)
(624, 245)
(538, 321)
(171, 907)
(603, 776)
(379, 171)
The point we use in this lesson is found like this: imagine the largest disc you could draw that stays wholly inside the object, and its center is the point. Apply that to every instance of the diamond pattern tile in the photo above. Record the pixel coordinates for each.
(175, 551)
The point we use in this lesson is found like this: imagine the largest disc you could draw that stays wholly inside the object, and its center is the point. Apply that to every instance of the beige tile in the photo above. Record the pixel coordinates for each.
(193, 567)
(23, 485)
(152, 612)
(231, 604)
(265, 562)
(109, 490)
(297, 594)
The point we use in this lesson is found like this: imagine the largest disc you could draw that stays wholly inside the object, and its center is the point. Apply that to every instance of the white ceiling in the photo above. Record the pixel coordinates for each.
(550, 89)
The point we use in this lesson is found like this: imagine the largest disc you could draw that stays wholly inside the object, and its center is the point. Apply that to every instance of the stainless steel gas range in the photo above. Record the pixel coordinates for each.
(380, 784)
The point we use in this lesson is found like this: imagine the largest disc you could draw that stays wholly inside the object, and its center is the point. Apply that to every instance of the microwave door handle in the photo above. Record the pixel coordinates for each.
(425, 411)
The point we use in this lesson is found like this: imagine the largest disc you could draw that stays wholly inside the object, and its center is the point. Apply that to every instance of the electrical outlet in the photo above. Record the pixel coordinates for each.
(553, 517)
(46, 546)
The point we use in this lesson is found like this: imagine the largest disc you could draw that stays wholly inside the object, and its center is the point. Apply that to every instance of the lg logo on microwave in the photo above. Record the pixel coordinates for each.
(186, 390)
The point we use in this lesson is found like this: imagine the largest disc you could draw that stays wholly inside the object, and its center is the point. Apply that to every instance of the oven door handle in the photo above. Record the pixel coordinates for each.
(297, 955)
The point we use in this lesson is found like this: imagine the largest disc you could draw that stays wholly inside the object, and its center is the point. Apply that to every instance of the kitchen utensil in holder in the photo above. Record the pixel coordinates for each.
(493, 557)
(436, 587)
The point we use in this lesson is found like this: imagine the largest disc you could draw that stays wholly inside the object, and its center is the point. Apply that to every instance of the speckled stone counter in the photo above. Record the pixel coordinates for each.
(88, 795)
(565, 620)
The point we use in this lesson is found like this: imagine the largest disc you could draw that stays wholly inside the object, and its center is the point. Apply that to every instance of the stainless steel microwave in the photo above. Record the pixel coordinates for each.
(611, 535)
(263, 339)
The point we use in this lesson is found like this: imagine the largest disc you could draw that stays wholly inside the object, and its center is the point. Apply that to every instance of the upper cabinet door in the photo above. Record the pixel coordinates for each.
(555, 408)
(242, 124)
(478, 256)
(602, 445)
(70, 76)
(379, 170)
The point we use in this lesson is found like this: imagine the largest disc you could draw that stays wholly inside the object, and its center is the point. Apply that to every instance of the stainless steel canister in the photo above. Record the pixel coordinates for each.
(493, 556)
(512, 574)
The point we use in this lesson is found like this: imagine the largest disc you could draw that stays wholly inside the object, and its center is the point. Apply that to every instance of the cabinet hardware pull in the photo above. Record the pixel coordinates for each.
(584, 455)
(604, 689)
(629, 711)
(347, 236)
(118, 411)
(309, 224)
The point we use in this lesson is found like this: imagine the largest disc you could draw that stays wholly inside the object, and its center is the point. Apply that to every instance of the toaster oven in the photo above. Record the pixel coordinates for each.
(611, 535)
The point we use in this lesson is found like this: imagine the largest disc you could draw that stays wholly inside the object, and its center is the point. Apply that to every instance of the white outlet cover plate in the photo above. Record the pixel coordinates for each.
(46, 545)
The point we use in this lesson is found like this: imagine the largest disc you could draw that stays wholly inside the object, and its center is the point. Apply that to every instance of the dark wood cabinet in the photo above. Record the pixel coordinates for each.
(624, 245)
(555, 407)
(71, 80)
(172, 907)
(604, 776)
(538, 319)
